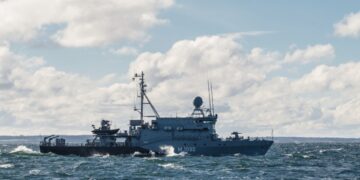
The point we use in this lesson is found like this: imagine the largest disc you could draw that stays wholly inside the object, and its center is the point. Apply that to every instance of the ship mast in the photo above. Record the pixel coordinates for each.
(143, 97)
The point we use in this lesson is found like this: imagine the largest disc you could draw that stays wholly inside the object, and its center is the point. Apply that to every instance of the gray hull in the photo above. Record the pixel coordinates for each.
(92, 150)
(214, 148)
(231, 150)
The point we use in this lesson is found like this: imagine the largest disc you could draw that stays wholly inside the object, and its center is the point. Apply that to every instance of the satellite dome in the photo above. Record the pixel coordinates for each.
(197, 102)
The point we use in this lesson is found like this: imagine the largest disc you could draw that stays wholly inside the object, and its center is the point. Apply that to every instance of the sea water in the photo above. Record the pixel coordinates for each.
(334, 160)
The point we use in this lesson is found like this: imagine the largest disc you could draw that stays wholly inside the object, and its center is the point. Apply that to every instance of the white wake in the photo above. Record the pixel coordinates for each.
(169, 151)
(23, 149)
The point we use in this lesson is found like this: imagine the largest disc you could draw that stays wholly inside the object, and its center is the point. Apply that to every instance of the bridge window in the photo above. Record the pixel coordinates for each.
(179, 128)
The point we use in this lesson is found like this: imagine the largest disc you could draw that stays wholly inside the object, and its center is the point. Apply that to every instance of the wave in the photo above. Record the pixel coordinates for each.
(330, 150)
(5, 166)
(151, 154)
(23, 149)
(136, 153)
(169, 151)
(100, 155)
(78, 164)
(300, 155)
(171, 166)
(34, 172)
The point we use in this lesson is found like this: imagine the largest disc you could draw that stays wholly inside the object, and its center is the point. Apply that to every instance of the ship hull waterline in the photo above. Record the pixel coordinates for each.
(95, 150)
(139, 151)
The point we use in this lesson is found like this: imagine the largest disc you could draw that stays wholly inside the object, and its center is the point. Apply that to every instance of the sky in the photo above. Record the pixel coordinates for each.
(288, 66)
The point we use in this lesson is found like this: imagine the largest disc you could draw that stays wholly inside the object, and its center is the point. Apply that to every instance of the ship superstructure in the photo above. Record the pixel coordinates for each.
(105, 141)
(194, 134)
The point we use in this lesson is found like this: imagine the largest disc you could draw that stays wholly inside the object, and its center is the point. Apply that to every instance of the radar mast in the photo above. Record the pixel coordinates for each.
(144, 97)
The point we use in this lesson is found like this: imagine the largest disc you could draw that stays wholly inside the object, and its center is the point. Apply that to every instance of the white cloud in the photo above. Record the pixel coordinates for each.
(349, 26)
(82, 23)
(335, 89)
(125, 51)
(329, 78)
(182, 72)
(311, 53)
(320, 103)
(246, 98)
(36, 98)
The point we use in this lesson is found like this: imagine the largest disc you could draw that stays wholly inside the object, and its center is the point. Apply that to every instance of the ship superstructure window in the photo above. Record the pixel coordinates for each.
(179, 128)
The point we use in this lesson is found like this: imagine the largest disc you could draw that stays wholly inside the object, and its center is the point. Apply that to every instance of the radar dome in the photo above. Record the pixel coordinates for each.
(197, 102)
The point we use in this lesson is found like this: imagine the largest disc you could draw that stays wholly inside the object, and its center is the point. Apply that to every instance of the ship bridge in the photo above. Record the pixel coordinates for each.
(198, 121)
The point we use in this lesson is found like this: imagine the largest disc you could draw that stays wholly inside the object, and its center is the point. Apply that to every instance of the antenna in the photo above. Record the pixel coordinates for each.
(212, 98)
(210, 107)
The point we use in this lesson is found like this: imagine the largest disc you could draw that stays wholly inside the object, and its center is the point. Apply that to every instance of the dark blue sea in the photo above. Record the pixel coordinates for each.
(293, 159)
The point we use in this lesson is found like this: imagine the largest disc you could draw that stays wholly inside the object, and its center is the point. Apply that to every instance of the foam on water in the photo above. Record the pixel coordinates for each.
(171, 166)
(100, 155)
(169, 151)
(5, 166)
(330, 150)
(106, 156)
(34, 172)
(23, 149)
(136, 153)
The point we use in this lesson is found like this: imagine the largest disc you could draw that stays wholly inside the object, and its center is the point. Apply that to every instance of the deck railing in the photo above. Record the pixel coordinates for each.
(248, 138)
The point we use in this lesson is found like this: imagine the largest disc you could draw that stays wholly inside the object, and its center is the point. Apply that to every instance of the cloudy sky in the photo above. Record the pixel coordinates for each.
(289, 66)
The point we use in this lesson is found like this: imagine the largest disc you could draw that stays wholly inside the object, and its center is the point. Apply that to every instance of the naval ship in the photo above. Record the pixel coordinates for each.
(192, 135)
